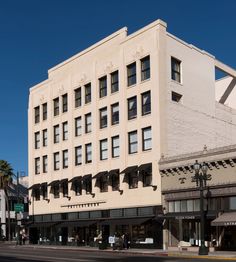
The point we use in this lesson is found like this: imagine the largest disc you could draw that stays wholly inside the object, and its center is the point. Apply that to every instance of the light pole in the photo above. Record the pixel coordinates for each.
(201, 177)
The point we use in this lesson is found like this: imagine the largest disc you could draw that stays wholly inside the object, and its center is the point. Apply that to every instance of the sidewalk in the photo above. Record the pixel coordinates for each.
(217, 255)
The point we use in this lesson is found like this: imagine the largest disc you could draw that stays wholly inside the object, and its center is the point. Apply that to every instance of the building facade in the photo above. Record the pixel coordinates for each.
(100, 123)
(181, 200)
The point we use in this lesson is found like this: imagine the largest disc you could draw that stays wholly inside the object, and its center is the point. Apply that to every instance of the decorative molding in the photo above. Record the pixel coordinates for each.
(138, 53)
(83, 79)
(109, 67)
(61, 89)
(42, 99)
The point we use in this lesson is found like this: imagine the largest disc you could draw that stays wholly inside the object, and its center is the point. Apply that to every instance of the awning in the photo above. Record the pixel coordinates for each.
(44, 184)
(54, 182)
(114, 172)
(34, 186)
(78, 223)
(129, 169)
(64, 180)
(145, 167)
(100, 174)
(76, 178)
(226, 219)
(43, 224)
(126, 221)
(86, 177)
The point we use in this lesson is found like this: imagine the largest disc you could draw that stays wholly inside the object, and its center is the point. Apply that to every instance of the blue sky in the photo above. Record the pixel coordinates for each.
(35, 35)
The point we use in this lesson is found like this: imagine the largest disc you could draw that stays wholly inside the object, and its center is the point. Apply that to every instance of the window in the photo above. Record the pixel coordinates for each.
(45, 137)
(114, 82)
(65, 158)
(103, 117)
(132, 107)
(146, 103)
(37, 140)
(102, 86)
(36, 194)
(115, 182)
(103, 149)
(36, 115)
(88, 123)
(115, 146)
(45, 164)
(65, 130)
(131, 74)
(37, 165)
(88, 153)
(115, 114)
(64, 187)
(44, 190)
(87, 183)
(147, 176)
(77, 185)
(175, 69)
(133, 180)
(56, 161)
(78, 97)
(56, 106)
(56, 134)
(87, 93)
(147, 138)
(103, 181)
(45, 113)
(78, 126)
(145, 68)
(64, 103)
(133, 142)
(78, 155)
(175, 97)
(56, 190)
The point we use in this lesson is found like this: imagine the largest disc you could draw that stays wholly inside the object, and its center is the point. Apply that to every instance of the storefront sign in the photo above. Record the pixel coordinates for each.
(185, 217)
(111, 240)
(230, 223)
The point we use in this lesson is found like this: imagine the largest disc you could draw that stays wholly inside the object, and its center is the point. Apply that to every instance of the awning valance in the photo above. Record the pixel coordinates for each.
(145, 167)
(129, 169)
(34, 186)
(226, 219)
(64, 180)
(86, 177)
(114, 172)
(78, 223)
(126, 221)
(54, 182)
(76, 178)
(100, 174)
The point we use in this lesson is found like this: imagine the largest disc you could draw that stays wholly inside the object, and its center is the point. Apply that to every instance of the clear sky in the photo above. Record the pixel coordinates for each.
(35, 35)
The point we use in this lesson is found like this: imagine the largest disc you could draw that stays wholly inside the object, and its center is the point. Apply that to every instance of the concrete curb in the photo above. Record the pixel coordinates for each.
(220, 257)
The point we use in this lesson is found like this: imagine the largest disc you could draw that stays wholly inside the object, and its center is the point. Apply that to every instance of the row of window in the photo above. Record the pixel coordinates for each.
(102, 182)
(104, 152)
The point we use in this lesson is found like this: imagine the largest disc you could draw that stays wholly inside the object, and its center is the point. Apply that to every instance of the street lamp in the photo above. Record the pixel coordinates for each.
(201, 177)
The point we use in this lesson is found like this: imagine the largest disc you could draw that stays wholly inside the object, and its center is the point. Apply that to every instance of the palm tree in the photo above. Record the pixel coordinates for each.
(6, 173)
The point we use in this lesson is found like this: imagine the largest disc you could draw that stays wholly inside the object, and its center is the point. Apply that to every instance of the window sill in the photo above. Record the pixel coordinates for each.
(131, 85)
(176, 82)
(145, 80)
(114, 93)
(146, 114)
(88, 103)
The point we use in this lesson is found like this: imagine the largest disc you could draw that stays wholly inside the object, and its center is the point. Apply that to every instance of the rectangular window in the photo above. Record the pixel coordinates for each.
(45, 111)
(175, 69)
(56, 190)
(145, 68)
(103, 117)
(56, 158)
(175, 97)
(114, 82)
(88, 123)
(37, 165)
(88, 96)
(44, 191)
(103, 181)
(115, 182)
(147, 138)
(77, 94)
(78, 126)
(45, 137)
(64, 103)
(45, 164)
(133, 180)
(78, 155)
(115, 114)
(103, 86)
(36, 194)
(37, 140)
(56, 106)
(56, 134)
(115, 146)
(77, 185)
(133, 142)
(131, 74)
(65, 158)
(65, 131)
(103, 149)
(88, 153)
(87, 183)
(146, 103)
(132, 107)
(36, 115)
(64, 187)
(147, 176)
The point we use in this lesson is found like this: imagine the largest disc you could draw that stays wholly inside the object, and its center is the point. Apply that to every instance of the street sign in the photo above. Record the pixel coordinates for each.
(19, 207)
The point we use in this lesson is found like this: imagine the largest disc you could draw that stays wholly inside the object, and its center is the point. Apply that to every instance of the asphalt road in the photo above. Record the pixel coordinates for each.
(23, 254)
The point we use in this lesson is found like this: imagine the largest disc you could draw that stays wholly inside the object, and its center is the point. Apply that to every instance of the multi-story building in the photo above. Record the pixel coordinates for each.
(101, 122)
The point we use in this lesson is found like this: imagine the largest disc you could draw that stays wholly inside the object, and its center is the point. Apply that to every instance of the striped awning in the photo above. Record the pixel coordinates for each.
(226, 219)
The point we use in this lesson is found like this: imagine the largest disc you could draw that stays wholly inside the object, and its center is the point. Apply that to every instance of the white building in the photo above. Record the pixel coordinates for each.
(101, 122)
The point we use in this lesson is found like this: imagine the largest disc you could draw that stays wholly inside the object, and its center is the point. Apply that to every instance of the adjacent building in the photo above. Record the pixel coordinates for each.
(101, 122)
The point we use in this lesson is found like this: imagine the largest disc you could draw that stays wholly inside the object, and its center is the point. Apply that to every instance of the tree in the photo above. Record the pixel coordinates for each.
(6, 174)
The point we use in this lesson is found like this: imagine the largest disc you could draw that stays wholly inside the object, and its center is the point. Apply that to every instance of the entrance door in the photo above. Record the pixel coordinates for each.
(64, 234)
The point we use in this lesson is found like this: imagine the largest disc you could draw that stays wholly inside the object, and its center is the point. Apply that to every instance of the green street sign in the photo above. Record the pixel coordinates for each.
(19, 207)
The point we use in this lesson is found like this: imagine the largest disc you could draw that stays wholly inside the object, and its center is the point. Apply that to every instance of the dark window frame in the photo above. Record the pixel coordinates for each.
(115, 115)
(102, 87)
(45, 164)
(113, 148)
(145, 68)
(88, 93)
(115, 182)
(56, 106)
(64, 103)
(65, 158)
(146, 107)
(176, 72)
(102, 151)
(37, 140)
(144, 140)
(103, 184)
(114, 81)
(77, 148)
(133, 180)
(45, 111)
(78, 97)
(88, 125)
(132, 111)
(56, 190)
(45, 137)
(88, 153)
(132, 143)
(78, 128)
(37, 165)
(131, 74)
(36, 114)
(56, 161)
(103, 119)
(56, 135)
(64, 189)
(65, 131)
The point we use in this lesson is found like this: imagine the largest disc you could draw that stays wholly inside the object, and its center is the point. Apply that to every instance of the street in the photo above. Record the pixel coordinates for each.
(11, 253)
